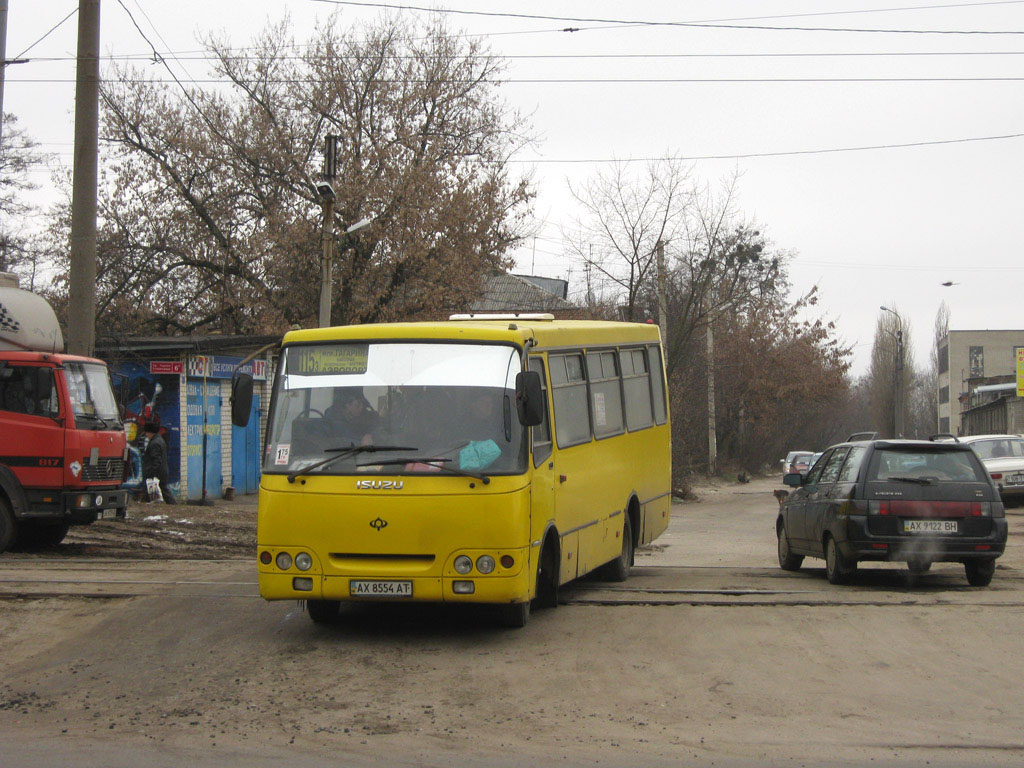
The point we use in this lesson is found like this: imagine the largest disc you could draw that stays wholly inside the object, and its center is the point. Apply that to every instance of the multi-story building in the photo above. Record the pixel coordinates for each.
(977, 368)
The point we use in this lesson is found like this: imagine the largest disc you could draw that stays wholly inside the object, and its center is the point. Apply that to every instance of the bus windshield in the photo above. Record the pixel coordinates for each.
(396, 408)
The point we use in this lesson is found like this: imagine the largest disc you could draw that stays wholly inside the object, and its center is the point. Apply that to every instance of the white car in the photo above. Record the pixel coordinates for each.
(1003, 457)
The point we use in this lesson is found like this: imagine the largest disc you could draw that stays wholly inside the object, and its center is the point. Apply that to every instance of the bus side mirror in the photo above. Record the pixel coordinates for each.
(241, 398)
(529, 398)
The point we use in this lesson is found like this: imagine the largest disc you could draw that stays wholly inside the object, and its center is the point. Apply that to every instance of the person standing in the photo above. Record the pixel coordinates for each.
(154, 462)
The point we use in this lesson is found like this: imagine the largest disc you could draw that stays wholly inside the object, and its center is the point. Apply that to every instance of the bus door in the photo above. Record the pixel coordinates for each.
(573, 461)
(542, 487)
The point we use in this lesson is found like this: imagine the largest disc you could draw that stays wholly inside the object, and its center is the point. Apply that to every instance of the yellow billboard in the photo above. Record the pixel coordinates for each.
(1020, 371)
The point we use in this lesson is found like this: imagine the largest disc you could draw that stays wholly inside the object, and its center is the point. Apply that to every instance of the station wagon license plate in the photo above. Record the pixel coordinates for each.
(930, 526)
(380, 588)
(1015, 479)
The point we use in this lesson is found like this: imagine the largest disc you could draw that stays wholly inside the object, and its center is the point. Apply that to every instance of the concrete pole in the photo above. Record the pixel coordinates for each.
(82, 299)
(899, 381)
(3, 63)
(712, 433)
(325, 265)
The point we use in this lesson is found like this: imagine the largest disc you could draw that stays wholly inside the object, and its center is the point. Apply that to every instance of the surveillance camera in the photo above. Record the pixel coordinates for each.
(325, 190)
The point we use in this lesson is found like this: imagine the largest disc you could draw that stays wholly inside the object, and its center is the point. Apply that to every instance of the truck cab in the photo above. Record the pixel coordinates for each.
(63, 450)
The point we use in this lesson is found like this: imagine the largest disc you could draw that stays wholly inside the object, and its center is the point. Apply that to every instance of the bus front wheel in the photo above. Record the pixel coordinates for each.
(515, 615)
(323, 611)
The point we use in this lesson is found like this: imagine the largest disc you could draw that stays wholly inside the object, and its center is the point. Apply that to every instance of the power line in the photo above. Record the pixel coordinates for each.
(560, 80)
(181, 56)
(716, 24)
(50, 31)
(790, 153)
(744, 156)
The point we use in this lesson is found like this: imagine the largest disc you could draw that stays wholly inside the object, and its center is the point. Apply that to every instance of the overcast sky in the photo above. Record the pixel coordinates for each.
(870, 227)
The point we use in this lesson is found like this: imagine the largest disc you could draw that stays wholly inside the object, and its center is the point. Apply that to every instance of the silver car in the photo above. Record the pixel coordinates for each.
(1003, 457)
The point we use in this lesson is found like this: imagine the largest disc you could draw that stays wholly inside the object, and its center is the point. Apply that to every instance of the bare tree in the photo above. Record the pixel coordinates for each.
(19, 157)
(210, 215)
(625, 216)
(892, 373)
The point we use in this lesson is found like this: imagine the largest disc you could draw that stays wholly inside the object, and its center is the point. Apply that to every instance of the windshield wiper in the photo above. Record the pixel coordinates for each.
(918, 480)
(344, 453)
(434, 462)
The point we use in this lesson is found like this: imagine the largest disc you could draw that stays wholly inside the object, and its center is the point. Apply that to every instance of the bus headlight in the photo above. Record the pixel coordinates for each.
(485, 563)
(283, 560)
(303, 561)
(463, 564)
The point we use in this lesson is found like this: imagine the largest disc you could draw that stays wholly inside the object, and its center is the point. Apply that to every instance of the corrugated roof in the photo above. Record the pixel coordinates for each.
(510, 293)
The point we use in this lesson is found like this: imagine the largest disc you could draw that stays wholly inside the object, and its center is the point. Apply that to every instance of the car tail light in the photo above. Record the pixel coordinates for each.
(997, 475)
(905, 508)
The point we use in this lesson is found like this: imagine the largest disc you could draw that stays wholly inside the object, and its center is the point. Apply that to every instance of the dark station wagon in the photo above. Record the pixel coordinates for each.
(912, 501)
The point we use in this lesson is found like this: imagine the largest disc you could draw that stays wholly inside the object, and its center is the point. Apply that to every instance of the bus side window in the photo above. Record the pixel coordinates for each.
(658, 385)
(569, 394)
(541, 432)
(636, 383)
(605, 393)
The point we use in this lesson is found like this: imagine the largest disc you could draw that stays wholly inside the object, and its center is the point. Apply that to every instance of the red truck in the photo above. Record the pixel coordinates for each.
(63, 449)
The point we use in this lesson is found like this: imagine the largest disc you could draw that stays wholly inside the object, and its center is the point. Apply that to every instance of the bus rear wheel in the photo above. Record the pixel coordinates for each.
(323, 611)
(618, 569)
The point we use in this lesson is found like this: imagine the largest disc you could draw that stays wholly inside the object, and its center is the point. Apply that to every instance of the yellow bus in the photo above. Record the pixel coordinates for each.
(486, 459)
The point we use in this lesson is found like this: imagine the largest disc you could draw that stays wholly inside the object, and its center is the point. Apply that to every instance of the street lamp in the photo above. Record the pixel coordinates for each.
(327, 197)
(898, 404)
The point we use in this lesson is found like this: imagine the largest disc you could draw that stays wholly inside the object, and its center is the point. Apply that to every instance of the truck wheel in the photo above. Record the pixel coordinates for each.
(49, 534)
(8, 525)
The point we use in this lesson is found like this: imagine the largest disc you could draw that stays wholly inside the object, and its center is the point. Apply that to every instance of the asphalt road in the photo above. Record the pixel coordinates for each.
(708, 655)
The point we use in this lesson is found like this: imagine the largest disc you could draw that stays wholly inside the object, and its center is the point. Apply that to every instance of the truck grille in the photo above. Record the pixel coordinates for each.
(111, 469)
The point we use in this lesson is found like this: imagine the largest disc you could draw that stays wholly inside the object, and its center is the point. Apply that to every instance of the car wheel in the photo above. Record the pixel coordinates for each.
(787, 560)
(918, 567)
(979, 572)
(8, 525)
(323, 611)
(837, 568)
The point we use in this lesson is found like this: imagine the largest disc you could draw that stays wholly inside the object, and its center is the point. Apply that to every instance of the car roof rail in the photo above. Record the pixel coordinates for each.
(861, 436)
(944, 436)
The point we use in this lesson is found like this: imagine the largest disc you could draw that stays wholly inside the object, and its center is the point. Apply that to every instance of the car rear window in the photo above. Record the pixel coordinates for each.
(999, 448)
(938, 466)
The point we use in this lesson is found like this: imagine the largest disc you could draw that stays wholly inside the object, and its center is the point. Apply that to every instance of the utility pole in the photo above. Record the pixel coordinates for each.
(82, 298)
(3, 63)
(662, 298)
(326, 191)
(712, 432)
(898, 384)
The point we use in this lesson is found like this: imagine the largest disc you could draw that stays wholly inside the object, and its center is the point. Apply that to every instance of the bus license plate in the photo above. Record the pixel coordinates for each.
(929, 526)
(380, 588)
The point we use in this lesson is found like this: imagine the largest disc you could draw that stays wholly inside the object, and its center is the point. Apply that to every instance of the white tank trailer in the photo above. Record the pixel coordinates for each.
(27, 321)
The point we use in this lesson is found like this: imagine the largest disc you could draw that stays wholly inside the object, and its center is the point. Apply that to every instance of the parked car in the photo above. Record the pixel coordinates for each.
(787, 463)
(802, 462)
(912, 501)
(1003, 457)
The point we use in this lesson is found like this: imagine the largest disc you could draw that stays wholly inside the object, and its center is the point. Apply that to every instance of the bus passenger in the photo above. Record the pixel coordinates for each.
(352, 417)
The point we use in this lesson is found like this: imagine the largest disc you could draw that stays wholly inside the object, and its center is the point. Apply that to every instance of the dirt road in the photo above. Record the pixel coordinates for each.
(709, 655)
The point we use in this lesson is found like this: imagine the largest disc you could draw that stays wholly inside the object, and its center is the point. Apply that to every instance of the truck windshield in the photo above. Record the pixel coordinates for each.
(432, 407)
(92, 399)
